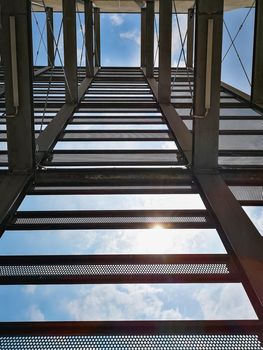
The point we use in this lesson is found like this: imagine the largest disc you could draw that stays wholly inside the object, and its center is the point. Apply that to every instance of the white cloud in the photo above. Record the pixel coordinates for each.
(125, 302)
(81, 59)
(29, 289)
(81, 31)
(256, 216)
(115, 202)
(132, 60)
(35, 314)
(132, 35)
(171, 241)
(176, 40)
(224, 302)
(116, 20)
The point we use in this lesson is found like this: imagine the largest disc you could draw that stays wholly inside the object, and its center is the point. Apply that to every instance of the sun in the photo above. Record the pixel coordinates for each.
(156, 240)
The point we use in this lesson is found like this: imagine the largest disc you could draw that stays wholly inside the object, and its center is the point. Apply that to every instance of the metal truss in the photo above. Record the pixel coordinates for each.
(226, 178)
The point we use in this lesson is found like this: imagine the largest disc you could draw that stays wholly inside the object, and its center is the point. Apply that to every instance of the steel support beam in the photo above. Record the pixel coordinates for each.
(190, 38)
(16, 48)
(114, 177)
(239, 235)
(49, 136)
(165, 46)
(143, 37)
(236, 92)
(97, 36)
(138, 177)
(41, 71)
(88, 10)
(246, 177)
(257, 75)
(208, 48)
(70, 50)
(129, 328)
(182, 134)
(12, 191)
(149, 38)
(50, 37)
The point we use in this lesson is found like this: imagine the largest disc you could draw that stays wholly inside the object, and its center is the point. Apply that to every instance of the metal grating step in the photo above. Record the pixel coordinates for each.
(200, 268)
(131, 335)
(112, 157)
(129, 219)
(116, 135)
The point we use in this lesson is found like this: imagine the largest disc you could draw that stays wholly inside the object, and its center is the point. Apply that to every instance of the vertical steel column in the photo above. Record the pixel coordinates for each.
(97, 36)
(70, 50)
(190, 38)
(143, 37)
(50, 38)
(149, 38)
(16, 48)
(208, 48)
(165, 46)
(257, 74)
(89, 38)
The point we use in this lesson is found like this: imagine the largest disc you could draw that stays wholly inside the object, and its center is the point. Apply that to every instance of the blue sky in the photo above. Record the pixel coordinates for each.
(109, 302)
(120, 46)
(120, 42)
